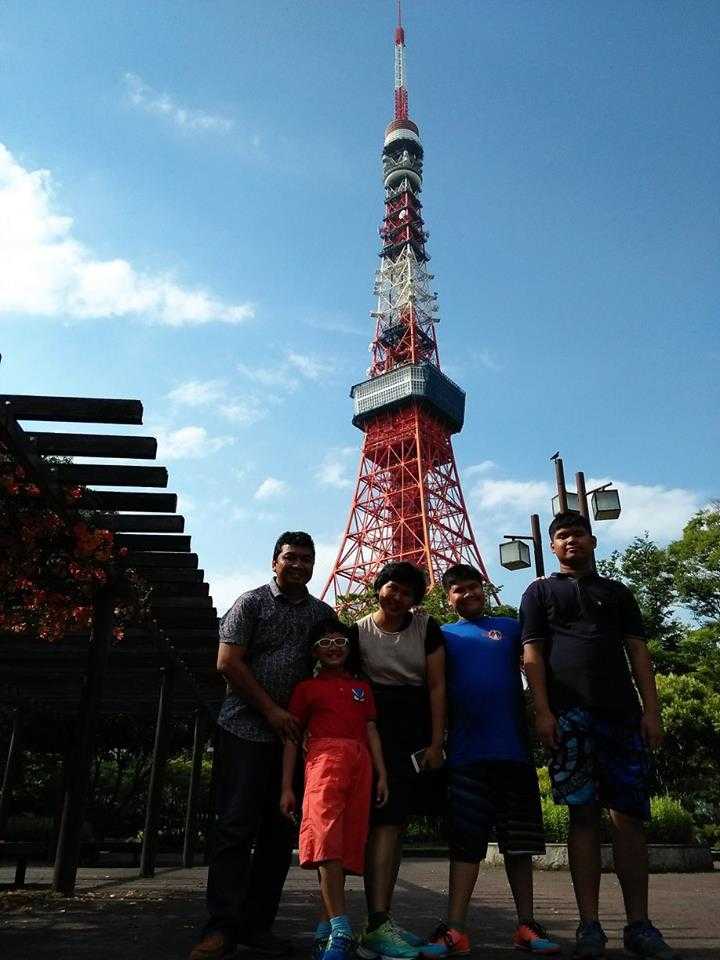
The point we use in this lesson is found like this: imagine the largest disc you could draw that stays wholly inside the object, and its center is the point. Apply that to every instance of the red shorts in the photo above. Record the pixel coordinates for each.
(336, 806)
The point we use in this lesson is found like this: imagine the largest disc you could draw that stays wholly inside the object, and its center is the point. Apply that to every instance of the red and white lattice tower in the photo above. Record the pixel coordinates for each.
(408, 504)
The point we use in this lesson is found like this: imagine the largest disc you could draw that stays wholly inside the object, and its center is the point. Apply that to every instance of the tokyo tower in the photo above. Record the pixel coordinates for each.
(408, 504)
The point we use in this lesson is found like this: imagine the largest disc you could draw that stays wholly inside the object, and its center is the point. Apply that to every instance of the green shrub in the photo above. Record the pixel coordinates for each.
(556, 820)
(432, 830)
(25, 828)
(670, 822)
(710, 834)
(544, 783)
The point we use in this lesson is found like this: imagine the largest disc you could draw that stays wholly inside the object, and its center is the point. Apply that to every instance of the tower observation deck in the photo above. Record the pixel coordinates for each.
(408, 502)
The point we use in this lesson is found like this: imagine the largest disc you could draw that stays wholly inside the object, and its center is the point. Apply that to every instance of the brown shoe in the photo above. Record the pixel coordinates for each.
(213, 946)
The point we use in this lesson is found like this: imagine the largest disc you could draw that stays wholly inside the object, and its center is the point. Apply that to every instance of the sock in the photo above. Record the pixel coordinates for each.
(322, 931)
(376, 920)
(341, 924)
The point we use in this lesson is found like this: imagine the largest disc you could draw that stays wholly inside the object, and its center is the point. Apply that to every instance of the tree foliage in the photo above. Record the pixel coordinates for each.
(688, 765)
(647, 570)
(696, 563)
(678, 590)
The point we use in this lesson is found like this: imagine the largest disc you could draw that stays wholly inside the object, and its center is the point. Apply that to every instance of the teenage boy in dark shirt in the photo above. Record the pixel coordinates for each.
(579, 631)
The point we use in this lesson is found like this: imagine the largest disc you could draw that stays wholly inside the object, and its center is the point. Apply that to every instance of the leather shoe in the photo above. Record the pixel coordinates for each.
(213, 946)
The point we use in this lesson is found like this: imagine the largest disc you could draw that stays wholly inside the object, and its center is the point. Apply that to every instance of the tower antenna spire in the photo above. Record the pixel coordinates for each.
(408, 504)
(401, 94)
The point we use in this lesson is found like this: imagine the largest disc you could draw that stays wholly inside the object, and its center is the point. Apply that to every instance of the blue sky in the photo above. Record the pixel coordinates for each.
(189, 202)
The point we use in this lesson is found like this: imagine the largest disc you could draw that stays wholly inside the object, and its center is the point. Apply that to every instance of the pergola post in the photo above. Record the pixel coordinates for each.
(157, 773)
(67, 854)
(210, 831)
(11, 769)
(199, 736)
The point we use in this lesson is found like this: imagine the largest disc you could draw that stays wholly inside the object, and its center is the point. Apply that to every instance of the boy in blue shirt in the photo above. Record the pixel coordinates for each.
(491, 776)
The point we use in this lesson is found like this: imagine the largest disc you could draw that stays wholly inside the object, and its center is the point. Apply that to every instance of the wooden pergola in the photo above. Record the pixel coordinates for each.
(165, 666)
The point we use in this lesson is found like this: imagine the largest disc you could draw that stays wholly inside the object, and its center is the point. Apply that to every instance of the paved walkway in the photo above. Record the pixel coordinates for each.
(115, 916)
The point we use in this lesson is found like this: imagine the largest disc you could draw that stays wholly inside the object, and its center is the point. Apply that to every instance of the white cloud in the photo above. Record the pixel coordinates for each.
(529, 495)
(309, 367)
(284, 374)
(325, 555)
(198, 393)
(339, 325)
(276, 376)
(188, 443)
(47, 272)
(659, 510)
(485, 466)
(185, 505)
(332, 472)
(243, 411)
(226, 587)
(662, 511)
(271, 488)
(486, 359)
(142, 95)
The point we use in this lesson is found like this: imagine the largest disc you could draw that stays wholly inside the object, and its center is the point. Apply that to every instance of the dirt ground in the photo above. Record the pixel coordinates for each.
(116, 916)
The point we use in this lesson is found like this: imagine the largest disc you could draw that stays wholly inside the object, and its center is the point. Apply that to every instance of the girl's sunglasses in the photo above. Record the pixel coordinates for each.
(327, 642)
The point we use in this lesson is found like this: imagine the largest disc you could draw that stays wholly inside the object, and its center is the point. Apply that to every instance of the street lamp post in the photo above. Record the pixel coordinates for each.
(515, 554)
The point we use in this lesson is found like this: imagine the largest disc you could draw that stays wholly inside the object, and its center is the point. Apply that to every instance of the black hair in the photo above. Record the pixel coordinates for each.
(459, 572)
(570, 518)
(293, 538)
(332, 625)
(405, 573)
(325, 627)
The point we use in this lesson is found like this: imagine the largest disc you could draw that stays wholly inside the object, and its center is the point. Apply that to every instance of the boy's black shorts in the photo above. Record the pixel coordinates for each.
(502, 794)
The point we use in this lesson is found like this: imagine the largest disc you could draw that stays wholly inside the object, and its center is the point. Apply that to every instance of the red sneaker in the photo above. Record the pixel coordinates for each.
(533, 937)
(455, 942)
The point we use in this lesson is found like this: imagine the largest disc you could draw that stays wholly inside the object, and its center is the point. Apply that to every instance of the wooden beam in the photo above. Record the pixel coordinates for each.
(67, 855)
(181, 603)
(14, 435)
(148, 559)
(12, 765)
(212, 805)
(157, 773)
(136, 542)
(193, 638)
(182, 589)
(199, 735)
(186, 617)
(110, 474)
(166, 575)
(74, 409)
(122, 500)
(93, 445)
(139, 522)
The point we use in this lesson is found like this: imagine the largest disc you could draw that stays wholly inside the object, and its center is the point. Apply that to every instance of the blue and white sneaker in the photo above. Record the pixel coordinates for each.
(319, 947)
(340, 946)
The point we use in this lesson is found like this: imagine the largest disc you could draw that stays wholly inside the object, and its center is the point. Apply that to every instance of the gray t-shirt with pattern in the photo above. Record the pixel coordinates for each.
(274, 629)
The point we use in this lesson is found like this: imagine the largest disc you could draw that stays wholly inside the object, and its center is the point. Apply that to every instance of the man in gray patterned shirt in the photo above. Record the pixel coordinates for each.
(264, 652)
